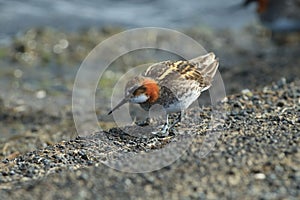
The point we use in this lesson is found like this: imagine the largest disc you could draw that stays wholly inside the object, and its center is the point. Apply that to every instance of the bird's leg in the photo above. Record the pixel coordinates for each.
(178, 119)
(164, 128)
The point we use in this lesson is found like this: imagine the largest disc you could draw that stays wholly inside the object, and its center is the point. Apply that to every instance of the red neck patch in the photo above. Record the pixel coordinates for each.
(152, 89)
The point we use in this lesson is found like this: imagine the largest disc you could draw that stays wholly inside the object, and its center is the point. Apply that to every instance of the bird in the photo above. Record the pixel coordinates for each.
(174, 85)
(280, 16)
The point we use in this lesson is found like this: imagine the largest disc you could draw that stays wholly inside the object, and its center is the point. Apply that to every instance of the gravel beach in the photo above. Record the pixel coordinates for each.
(256, 157)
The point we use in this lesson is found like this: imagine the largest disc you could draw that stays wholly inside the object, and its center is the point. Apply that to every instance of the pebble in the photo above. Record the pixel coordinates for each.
(247, 92)
(260, 176)
(41, 94)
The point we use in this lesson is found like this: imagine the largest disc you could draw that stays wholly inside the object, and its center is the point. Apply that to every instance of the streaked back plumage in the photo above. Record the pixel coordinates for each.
(201, 69)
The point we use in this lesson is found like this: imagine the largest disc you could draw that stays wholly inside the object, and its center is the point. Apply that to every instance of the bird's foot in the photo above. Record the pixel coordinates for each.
(163, 130)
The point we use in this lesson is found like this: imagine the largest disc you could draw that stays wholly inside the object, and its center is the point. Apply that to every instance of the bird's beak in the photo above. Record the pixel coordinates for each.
(123, 101)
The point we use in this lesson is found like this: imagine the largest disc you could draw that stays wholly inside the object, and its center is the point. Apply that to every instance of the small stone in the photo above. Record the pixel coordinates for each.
(40, 94)
(18, 73)
(247, 92)
(260, 176)
(281, 82)
(4, 173)
(280, 104)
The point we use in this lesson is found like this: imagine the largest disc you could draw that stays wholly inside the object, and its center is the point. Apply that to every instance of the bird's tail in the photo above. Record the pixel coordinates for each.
(207, 65)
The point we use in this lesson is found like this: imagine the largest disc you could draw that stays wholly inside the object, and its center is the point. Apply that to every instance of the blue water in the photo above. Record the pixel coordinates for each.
(17, 15)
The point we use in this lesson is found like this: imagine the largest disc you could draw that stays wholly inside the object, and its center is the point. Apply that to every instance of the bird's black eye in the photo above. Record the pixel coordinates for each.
(135, 90)
(139, 90)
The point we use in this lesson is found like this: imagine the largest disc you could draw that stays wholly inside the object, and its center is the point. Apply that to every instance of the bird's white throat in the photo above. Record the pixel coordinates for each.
(139, 99)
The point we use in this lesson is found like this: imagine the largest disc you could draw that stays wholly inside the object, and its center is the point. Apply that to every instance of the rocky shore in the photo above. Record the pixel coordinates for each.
(256, 155)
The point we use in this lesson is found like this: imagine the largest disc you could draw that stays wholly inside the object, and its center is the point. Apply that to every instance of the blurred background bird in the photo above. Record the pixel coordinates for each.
(279, 16)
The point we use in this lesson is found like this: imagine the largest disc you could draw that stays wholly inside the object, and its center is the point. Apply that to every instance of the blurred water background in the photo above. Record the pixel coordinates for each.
(17, 15)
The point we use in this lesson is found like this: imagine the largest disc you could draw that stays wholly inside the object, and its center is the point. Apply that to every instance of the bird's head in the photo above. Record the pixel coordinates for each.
(262, 5)
(139, 90)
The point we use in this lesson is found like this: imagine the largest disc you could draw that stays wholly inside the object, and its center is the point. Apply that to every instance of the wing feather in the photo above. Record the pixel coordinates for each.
(201, 69)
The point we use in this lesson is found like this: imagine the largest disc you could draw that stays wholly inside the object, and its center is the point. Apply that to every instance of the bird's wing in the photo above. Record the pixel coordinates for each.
(207, 65)
(157, 69)
(201, 69)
